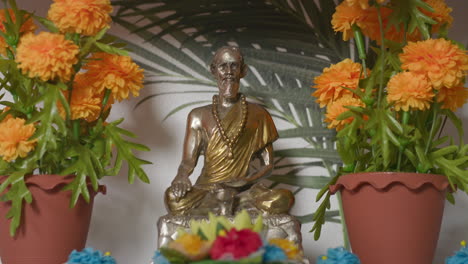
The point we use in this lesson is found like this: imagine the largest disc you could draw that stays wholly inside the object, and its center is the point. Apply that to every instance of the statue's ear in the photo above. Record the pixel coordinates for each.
(213, 69)
(244, 70)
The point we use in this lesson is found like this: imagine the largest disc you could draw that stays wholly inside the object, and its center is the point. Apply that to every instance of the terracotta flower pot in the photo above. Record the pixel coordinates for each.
(393, 217)
(49, 229)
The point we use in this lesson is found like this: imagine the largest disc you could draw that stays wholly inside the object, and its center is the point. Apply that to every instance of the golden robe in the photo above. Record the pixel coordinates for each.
(218, 168)
(259, 131)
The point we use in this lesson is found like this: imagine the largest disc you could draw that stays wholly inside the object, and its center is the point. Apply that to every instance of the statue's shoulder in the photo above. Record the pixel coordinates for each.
(197, 115)
(263, 119)
(200, 112)
(258, 109)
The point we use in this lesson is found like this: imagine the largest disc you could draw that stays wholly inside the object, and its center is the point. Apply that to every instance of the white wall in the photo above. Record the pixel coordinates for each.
(124, 221)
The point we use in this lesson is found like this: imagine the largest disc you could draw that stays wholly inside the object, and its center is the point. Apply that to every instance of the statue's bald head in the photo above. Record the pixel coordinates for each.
(227, 53)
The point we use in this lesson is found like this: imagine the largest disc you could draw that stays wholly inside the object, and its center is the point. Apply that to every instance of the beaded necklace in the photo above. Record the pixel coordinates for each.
(229, 142)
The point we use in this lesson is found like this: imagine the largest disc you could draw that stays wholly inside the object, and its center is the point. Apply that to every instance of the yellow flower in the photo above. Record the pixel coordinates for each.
(409, 91)
(331, 82)
(345, 17)
(14, 135)
(441, 14)
(27, 27)
(85, 17)
(336, 108)
(192, 246)
(47, 56)
(289, 247)
(117, 73)
(441, 61)
(364, 4)
(85, 102)
(452, 98)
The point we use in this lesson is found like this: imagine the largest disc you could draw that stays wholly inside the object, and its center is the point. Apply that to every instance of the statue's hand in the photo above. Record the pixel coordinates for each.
(180, 187)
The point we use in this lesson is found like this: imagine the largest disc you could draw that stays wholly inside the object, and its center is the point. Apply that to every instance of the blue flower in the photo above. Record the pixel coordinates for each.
(108, 260)
(338, 256)
(460, 257)
(89, 256)
(273, 253)
(159, 258)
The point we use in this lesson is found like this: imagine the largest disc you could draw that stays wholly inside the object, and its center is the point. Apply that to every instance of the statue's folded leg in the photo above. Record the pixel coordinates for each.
(269, 201)
(276, 201)
(191, 200)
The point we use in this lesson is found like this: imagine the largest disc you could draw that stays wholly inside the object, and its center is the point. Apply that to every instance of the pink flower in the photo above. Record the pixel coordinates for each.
(236, 244)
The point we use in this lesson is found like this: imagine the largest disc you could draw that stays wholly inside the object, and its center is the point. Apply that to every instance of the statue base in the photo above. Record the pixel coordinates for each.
(276, 226)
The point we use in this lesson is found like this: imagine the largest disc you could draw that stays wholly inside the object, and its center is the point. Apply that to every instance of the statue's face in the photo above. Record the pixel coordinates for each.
(228, 72)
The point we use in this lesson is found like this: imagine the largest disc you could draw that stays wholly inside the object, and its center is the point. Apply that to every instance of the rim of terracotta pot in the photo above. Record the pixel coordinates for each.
(381, 180)
(50, 182)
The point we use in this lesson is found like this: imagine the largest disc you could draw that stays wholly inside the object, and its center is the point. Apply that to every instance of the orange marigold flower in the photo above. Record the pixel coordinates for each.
(345, 17)
(331, 82)
(116, 73)
(27, 27)
(441, 61)
(85, 102)
(336, 108)
(371, 27)
(47, 56)
(441, 13)
(14, 138)
(409, 91)
(85, 17)
(452, 98)
(364, 4)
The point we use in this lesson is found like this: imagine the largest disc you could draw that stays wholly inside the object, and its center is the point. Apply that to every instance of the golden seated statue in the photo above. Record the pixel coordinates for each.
(231, 133)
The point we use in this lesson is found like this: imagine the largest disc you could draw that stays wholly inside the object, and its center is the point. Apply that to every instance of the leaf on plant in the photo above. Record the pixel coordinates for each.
(112, 50)
(409, 12)
(85, 165)
(47, 24)
(17, 194)
(125, 152)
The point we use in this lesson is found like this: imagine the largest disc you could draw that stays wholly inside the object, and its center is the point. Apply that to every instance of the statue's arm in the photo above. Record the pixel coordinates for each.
(266, 159)
(191, 151)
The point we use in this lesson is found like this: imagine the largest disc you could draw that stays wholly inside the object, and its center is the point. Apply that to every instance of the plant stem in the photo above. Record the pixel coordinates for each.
(400, 155)
(76, 129)
(106, 98)
(382, 54)
(405, 121)
(15, 97)
(433, 125)
(442, 127)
